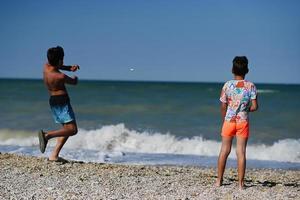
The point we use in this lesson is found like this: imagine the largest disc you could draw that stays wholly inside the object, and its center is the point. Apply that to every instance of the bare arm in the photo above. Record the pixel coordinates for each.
(72, 68)
(71, 80)
(254, 105)
(223, 110)
(254, 101)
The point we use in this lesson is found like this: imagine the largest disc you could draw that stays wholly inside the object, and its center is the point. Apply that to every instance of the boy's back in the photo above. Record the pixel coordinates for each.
(59, 101)
(54, 80)
(237, 94)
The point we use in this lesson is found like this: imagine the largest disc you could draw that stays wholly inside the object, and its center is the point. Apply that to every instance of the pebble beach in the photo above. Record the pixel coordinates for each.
(26, 177)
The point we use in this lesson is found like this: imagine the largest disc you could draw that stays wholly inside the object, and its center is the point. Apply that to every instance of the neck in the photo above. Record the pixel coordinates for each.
(53, 67)
(236, 77)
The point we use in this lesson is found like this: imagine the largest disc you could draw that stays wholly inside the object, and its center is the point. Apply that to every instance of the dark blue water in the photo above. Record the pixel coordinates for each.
(182, 110)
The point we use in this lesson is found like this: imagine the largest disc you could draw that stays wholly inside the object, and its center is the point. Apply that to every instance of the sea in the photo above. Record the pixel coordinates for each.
(151, 123)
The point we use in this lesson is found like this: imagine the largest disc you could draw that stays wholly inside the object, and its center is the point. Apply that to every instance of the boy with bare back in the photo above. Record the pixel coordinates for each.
(59, 101)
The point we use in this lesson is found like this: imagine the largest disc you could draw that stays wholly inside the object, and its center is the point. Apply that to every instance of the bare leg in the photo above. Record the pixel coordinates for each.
(60, 141)
(69, 129)
(225, 151)
(241, 144)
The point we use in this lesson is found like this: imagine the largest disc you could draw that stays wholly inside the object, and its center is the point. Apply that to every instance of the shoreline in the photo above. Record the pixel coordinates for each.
(154, 159)
(36, 178)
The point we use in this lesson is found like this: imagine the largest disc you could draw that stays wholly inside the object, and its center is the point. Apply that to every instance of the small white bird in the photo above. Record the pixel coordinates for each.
(132, 69)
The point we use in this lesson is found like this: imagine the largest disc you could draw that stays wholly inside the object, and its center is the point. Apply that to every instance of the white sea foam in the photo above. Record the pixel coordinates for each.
(115, 139)
(21, 138)
(266, 91)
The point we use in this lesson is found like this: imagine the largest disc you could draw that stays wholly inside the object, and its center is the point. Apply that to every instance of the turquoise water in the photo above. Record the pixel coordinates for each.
(184, 111)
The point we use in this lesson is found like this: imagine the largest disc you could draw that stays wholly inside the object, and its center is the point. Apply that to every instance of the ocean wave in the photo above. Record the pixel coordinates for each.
(17, 137)
(266, 91)
(115, 139)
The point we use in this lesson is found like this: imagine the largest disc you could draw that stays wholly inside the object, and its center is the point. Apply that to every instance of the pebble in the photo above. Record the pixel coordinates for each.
(27, 177)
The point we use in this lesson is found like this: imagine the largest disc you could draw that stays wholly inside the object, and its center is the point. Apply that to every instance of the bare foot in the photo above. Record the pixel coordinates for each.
(218, 182)
(241, 186)
(52, 158)
(58, 159)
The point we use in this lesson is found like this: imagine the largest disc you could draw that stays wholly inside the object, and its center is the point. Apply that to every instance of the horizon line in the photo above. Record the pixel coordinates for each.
(148, 81)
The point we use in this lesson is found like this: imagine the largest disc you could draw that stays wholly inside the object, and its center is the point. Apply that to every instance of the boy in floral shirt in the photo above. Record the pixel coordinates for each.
(238, 98)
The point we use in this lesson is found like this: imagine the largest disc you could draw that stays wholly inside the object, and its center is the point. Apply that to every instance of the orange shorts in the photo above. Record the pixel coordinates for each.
(231, 129)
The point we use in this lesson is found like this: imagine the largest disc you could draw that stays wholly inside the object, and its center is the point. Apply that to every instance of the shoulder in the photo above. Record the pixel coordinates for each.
(46, 67)
(250, 86)
(249, 83)
(228, 84)
(53, 72)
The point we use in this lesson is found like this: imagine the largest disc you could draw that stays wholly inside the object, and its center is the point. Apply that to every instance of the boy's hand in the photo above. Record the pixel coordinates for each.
(74, 68)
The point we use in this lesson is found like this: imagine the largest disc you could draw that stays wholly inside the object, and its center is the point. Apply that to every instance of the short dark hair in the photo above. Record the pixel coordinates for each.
(55, 54)
(240, 65)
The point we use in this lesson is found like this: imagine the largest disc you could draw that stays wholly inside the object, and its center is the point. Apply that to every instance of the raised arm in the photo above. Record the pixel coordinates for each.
(72, 68)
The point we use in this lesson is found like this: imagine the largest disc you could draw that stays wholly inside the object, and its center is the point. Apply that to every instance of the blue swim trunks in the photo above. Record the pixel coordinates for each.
(61, 108)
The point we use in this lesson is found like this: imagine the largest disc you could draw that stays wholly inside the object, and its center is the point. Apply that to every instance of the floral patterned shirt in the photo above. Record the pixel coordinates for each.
(237, 94)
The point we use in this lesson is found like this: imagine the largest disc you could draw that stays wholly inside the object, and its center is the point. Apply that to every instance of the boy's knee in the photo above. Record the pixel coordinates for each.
(74, 130)
(226, 151)
(240, 153)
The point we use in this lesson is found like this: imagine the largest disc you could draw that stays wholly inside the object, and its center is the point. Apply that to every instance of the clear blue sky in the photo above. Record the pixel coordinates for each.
(166, 40)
